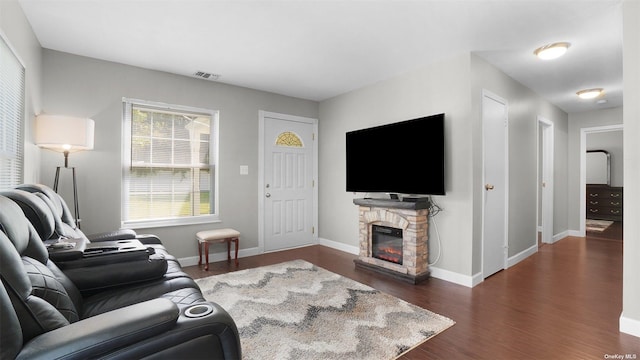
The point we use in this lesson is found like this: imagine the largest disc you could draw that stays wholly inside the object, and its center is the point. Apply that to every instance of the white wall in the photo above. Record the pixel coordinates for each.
(630, 319)
(21, 38)
(578, 121)
(80, 86)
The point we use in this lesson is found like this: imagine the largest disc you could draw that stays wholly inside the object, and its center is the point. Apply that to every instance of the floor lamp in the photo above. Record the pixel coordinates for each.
(65, 134)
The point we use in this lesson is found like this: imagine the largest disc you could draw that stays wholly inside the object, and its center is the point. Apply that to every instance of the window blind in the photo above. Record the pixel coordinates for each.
(168, 170)
(12, 105)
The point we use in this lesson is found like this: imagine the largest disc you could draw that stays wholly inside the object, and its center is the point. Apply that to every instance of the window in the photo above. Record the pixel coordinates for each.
(169, 161)
(12, 88)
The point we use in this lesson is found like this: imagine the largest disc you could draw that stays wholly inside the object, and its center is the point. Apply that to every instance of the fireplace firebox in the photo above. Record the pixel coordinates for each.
(386, 243)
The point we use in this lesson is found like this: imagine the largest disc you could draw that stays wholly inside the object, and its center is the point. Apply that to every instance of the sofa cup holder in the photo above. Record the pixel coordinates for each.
(198, 311)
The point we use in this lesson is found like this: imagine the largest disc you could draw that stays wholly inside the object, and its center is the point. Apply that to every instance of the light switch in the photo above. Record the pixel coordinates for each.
(244, 170)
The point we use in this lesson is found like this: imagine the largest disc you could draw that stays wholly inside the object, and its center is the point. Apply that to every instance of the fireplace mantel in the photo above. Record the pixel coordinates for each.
(412, 218)
(392, 204)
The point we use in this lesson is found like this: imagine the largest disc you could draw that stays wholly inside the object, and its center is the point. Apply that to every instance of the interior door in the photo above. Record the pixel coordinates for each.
(495, 200)
(546, 185)
(288, 183)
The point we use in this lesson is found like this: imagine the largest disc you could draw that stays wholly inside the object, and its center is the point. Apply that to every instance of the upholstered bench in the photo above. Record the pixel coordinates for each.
(217, 236)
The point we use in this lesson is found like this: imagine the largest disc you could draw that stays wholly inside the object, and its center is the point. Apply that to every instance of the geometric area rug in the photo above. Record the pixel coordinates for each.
(296, 310)
(597, 225)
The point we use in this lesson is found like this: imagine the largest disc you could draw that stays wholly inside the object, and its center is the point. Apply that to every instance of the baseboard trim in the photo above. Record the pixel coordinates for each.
(339, 246)
(456, 278)
(521, 255)
(576, 233)
(446, 275)
(629, 326)
(221, 256)
(560, 236)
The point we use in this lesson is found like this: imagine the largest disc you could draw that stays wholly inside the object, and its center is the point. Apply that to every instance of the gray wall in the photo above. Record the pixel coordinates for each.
(578, 121)
(524, 108)
(80, 86)
(453, 87)
(630, 321)
(21, 38)
(441, 87)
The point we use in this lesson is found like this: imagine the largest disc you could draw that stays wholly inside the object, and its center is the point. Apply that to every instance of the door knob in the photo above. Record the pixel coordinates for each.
(488, 187)
(267, 195)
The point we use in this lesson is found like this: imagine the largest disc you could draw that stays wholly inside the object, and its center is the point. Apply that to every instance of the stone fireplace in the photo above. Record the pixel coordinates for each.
(393, 238)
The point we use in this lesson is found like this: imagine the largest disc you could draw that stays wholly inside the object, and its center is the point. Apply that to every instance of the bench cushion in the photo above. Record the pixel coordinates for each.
(218, 234)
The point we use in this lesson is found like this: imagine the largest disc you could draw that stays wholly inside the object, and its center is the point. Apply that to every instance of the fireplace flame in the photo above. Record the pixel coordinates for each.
(389, 253)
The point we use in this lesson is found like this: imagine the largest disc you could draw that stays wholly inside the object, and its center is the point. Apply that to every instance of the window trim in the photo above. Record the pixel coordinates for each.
(128, 103)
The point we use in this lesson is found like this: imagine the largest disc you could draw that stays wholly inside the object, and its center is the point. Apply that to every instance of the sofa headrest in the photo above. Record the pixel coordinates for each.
(13, 223)
(60, 209)
(37, 209)
(19, 231)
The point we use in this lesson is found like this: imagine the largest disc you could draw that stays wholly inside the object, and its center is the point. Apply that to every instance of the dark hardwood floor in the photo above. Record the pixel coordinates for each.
(564, 302)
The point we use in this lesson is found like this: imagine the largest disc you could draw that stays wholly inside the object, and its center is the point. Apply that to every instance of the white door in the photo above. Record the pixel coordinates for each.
(546, 185)
(495, 200)
(288, 181)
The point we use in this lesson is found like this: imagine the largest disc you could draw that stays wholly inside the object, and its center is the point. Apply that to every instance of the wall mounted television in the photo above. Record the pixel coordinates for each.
(405, 157)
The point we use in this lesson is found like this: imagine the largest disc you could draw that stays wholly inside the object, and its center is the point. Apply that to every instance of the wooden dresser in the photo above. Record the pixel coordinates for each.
(604, 202)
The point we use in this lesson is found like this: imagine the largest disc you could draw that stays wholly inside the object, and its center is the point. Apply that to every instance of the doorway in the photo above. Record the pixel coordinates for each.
(495, 130)
(584, 134)
(287, 181)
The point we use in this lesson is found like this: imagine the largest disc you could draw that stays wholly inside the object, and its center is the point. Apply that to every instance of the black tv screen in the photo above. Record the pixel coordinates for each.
(405, 157)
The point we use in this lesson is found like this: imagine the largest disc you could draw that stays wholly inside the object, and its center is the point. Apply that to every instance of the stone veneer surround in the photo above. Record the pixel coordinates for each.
(412, 218)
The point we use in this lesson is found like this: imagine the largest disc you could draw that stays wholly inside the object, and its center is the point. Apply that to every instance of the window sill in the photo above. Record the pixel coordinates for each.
(146, 224)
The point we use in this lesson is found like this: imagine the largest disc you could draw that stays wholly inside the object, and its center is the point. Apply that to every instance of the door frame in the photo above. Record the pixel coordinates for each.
(494, 97)
(546, 154)
(261, 153)
(583, 169)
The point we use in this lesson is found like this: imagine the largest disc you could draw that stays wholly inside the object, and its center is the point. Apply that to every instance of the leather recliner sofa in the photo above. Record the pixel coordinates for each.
(96, 273)
(46, 316)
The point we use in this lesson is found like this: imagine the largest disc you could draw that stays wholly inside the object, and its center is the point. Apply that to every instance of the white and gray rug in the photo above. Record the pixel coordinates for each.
(296, 310)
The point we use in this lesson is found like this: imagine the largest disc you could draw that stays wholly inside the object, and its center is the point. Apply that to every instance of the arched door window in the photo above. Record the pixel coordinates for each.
(290, 139)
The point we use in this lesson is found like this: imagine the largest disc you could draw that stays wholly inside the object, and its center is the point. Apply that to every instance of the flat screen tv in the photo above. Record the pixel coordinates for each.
(405, 157)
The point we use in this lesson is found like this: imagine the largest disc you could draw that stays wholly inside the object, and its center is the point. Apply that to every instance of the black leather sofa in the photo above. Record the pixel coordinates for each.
(46, 315)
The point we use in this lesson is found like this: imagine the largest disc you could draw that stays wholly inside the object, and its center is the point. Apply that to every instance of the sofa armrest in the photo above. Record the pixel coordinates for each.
(99, 277)
(149, 329)
(104, 333)
(149, 239)
(122, 234)
(125, 234)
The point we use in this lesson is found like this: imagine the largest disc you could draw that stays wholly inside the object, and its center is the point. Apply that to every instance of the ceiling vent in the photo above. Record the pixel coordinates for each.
(206, 75)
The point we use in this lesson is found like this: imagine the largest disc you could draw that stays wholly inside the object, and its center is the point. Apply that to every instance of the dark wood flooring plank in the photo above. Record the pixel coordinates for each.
(564, 302)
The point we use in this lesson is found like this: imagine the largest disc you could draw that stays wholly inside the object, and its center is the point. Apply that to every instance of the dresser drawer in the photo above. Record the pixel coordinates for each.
(611, 202)
(604, 194)
(605, 213)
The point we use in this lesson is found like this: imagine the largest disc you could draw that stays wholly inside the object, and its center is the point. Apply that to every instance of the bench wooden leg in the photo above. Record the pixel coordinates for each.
(199, 253)
(237, 242)
(206, 255)
(228, 241)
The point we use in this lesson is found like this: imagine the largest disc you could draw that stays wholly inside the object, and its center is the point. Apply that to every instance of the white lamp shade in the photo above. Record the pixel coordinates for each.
(64, 132)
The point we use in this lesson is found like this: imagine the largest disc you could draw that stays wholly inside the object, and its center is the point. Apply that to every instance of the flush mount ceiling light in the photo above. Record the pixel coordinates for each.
(552, 51)
(589, 93)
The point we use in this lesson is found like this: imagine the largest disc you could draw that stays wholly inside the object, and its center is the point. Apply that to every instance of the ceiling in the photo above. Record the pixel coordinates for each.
(320, 49)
